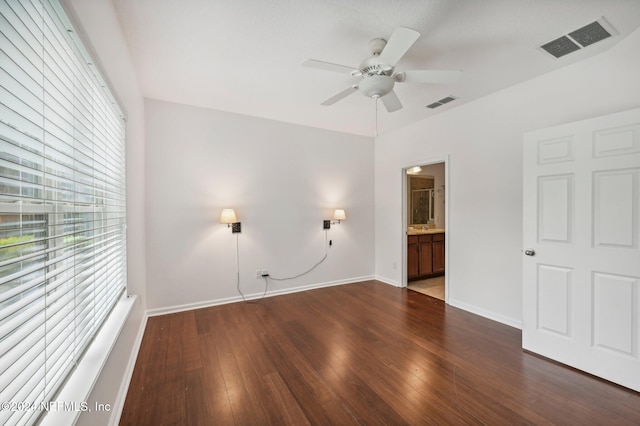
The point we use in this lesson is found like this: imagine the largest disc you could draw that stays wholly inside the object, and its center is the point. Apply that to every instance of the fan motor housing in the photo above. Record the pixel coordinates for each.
(375, 86)
(376, 46)
(373, 66)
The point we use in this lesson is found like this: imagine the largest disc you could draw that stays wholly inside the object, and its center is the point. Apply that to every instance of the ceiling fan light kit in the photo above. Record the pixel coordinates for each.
(376, 86)
(378, 71)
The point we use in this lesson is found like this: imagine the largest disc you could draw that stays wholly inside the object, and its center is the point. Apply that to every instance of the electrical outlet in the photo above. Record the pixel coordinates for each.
(265, 273)
(258, 274)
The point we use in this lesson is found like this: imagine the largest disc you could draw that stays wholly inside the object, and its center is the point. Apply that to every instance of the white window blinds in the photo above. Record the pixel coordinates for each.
(62, 204)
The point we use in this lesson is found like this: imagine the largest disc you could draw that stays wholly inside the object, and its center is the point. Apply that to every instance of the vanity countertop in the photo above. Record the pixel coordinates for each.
(416, 231)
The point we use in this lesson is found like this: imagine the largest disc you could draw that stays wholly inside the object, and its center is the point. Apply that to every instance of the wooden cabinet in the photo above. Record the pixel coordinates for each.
(413, 270)
(425, 255)
(438, 254)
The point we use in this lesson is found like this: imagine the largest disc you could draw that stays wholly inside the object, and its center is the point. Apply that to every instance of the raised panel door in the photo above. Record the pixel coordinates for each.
(581, 229)
(426, 255)
(438, 254)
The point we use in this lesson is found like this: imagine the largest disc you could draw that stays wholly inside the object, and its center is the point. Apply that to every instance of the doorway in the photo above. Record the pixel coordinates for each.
(425, 228)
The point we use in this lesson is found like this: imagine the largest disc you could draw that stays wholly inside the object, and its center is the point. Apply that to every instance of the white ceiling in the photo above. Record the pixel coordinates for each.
(245, 56)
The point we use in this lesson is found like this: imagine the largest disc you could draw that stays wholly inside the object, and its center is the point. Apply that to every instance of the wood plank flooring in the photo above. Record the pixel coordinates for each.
(365, 353)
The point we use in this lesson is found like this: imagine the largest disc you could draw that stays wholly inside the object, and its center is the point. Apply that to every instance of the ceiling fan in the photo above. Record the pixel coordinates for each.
(378, 72)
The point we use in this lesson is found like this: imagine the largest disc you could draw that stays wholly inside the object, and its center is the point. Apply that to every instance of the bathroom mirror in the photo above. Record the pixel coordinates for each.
(421, 199)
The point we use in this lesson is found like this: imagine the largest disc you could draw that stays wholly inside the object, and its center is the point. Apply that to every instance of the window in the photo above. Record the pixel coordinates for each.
(62, 204)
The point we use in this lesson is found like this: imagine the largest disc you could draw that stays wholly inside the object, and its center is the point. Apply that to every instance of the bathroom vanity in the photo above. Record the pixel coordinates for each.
(425, 253)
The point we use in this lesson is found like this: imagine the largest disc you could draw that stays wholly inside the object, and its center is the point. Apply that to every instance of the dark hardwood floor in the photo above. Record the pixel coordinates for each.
(365, 353)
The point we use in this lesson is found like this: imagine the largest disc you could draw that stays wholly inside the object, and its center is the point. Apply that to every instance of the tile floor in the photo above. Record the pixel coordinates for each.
(433, 287)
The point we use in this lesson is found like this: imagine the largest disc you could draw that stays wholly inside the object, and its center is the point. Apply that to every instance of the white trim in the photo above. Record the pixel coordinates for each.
(512, 322)
(388, 281)
(118, 403)
(403, 253)
(253, 296)
(78, 387)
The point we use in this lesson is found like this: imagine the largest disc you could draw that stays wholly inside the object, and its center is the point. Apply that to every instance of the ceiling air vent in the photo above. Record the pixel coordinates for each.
(560, 47)
(441, 102)
(580, 38)
(589, 34)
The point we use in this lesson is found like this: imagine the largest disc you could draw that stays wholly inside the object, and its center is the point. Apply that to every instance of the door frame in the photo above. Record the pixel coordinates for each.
(403, 230)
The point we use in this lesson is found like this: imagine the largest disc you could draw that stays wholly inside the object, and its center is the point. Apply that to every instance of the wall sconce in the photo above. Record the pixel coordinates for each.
(229, 217)
(338, 215)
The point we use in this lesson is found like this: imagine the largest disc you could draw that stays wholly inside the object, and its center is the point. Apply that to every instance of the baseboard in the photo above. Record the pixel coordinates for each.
(387, 281)
(253, 296)
(319, 285)
(197, 305)
(484, 313)
(118, 404)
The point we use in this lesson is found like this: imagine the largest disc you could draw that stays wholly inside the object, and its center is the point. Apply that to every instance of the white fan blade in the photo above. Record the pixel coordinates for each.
(391, 101)
(335, 98)
(428, 76)
(400, 41)
(328, 66)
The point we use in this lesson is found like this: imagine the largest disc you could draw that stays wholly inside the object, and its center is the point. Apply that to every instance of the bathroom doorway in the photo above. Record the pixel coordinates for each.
(425, 228)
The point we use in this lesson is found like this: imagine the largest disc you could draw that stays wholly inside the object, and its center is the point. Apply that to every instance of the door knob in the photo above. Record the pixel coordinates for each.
(530, 252)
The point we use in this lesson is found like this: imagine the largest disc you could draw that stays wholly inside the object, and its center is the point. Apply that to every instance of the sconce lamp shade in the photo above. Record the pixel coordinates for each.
(228, 216)
(339, 214)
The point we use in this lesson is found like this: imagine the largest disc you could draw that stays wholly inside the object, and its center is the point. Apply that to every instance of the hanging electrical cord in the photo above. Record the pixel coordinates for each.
(326, 253)
(266, 283)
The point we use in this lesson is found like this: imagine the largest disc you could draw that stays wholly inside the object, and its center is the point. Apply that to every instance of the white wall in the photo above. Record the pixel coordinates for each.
(97, 22)
(282, 179)
(484, 141)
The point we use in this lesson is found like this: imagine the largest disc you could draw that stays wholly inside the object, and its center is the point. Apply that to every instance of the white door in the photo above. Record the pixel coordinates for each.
(581, 258)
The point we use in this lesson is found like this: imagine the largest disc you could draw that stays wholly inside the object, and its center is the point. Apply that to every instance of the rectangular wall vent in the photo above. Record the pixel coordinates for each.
(447, 99)
(580, 38)
(442, 102)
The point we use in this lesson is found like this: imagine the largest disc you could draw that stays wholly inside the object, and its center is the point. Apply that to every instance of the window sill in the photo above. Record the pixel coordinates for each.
(72, 398)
